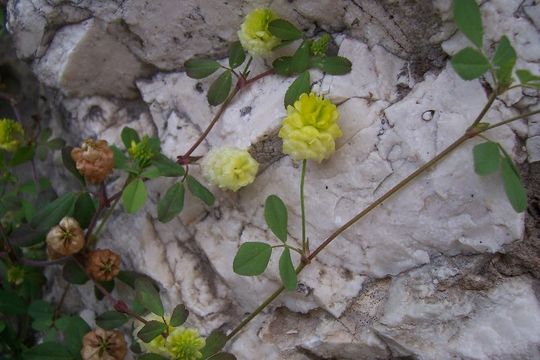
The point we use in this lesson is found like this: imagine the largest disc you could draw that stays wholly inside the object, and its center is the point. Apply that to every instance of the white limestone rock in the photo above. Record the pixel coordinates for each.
(423, 318)
(83, 59)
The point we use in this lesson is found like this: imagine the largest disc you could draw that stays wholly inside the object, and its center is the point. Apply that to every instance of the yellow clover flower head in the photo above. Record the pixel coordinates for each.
(11, 134)
(185, 344)
(254, 35)
(144, 151)
(310, 128)
(181, 343)
(229, 168)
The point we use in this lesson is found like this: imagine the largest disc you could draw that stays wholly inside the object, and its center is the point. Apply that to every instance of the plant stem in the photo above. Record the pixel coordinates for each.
(241, 84)
(303, 209)
(246, 68)
(507, 121)
(118, 305)
(484, 110)
(61, 302)
(102, 203)
(469, 133)
(213, 122)
(107, 215)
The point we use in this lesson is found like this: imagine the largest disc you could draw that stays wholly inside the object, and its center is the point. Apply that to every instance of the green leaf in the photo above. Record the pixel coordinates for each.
(167, 167)
(525, 76)
(151, 330)
(148, 296)
(198, 190)
(40, 309)
(282, 66)
(300, 59)
(42, 324)
(179, 315)
(51, 214)
(284, 30)
(42, 152)
(28, 209)
(69, 164)
(236, 55)
(214, 343)
(275, 214)
(333, 65)
(128, 136)
(172, 203)
(29, 187)
(286, 270)
(121, 161)
(56, 144)
(486, 158)
(151, 356)
(111, 320)
(220, 88)
(299, 86)
(47, 351)
(504, 59)
(470, 64)
(73, 329)
(151, 172)
(128, 277)
(200, 68)
(22, 155)
(515, 191)
(134, 196)
(252, 258)
(44, 135)
(73, 274)
(468, 20)
(11, 304)
(84, 210)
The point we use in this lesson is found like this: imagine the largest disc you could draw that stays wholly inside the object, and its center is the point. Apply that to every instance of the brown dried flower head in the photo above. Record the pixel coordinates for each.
(94, 160)
(65, 239)
(103, 345)
(103, 265)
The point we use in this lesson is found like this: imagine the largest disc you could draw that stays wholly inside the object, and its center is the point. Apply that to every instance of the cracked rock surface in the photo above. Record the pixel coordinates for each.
(443, 270)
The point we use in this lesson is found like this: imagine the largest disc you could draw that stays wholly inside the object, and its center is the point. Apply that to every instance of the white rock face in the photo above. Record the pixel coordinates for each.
(410, 279)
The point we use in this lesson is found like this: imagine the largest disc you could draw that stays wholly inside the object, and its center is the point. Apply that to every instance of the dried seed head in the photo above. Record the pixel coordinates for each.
(103, 265)
(94, 160)
(65, 239)
(103, 345)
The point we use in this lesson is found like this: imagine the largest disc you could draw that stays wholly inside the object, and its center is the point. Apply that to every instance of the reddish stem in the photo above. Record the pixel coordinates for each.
(241, 84)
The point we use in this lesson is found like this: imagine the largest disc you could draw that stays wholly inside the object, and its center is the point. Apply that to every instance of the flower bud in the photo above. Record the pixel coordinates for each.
(103, 345)
(15, 275)
(320, 46)
(94, 160)
(11, 134)
(181, 343)
(310, 128)
(254, 35)
(145, 150)
(103, 265)
(229, 168)
(65, 239)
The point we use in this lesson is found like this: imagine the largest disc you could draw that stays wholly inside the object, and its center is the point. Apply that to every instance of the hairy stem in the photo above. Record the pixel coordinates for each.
(305, 249)
(213, 122)
(507, 121)
(241, 84)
